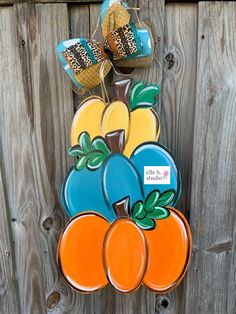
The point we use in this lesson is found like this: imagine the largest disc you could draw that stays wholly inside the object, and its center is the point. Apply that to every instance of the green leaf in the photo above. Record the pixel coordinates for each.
(151, 200)
(146, 223)
(166, 198)
(92, 153)
(149, 91)
(138, 211)
(81, 163)
(75, 151)
(159, 213)
(95, 161)
(135, 90)
(144, 97)
(85, 142)
(99, 144)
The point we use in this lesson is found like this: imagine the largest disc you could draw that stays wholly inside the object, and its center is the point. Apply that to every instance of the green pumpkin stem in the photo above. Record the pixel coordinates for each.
(116, 141)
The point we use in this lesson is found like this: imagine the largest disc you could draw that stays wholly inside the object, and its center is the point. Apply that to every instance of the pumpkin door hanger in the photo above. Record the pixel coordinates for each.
(120, 195)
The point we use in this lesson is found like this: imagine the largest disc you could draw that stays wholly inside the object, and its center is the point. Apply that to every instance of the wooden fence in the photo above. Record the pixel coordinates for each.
(197, 48)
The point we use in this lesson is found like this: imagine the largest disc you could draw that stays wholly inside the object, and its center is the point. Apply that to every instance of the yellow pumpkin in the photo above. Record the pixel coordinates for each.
(131, 111)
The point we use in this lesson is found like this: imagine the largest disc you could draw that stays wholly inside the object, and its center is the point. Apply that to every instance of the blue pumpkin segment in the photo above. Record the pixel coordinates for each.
(157, 169)
(120, 180)
(82, 191)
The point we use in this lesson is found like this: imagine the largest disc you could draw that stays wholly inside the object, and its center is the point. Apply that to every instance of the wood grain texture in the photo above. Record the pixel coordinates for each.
(153, 13)
(9, 300)
(197, 48)
(37, 113)
(18, 164)
(178, 105)
(10, 2)
(212, 276)
(8, 285)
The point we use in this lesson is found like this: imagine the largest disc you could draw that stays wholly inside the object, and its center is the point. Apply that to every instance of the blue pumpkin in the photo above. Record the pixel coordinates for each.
(121, 180)
(157, 169)
(100, 177)
(82, 190)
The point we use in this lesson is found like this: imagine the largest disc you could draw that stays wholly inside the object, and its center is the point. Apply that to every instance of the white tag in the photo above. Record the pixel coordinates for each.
(156, 174)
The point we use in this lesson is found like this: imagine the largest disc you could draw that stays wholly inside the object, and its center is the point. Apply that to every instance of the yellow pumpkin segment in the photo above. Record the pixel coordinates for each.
(115, 117)
(87, 118)
(144, 127)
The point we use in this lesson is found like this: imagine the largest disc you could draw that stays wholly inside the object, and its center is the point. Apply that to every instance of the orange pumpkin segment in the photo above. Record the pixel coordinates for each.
(125, 255)
(169, 252)
(80, 252)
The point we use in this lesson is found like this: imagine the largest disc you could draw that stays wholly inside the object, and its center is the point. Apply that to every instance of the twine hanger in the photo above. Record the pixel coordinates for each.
(102, 77)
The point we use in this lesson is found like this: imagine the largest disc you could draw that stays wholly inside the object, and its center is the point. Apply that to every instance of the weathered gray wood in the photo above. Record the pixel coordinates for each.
(52, 113)
(153, 13)
(35, 116)
(179, 80)
(212, 277)
(178, 106)
(9, 2)
(8, 285)
(18, 163)
(37, 111)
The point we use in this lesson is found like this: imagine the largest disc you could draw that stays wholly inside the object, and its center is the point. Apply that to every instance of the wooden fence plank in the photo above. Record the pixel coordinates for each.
(10, 2)
(178, 105)
(18, 164)
(153, 13)
(52, 113)
(8, 285)
(212, 276)
(37, 114)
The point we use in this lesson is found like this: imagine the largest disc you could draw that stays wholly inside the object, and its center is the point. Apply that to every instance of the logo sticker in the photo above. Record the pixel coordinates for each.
(156, 174)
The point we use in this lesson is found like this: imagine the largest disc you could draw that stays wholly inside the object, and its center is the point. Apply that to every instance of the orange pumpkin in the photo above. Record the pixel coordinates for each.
(152, 246)
(80, 252)
(125, 251)
(170, 246)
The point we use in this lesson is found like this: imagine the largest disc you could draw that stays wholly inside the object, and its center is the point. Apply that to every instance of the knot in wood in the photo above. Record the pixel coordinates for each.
(53, 300)
(22, 42)
(48, 223)
(170, 60)
(162, 304)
